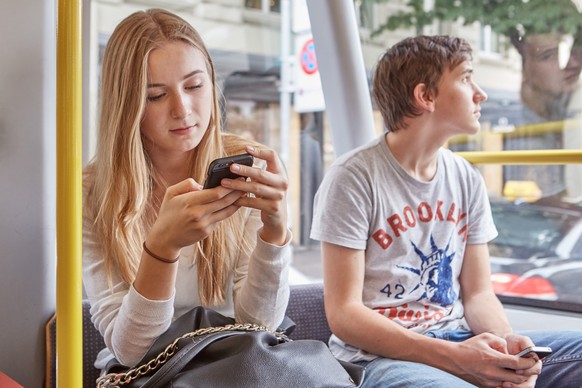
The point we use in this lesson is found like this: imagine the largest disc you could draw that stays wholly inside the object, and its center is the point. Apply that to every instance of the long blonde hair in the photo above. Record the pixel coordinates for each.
(119, 198)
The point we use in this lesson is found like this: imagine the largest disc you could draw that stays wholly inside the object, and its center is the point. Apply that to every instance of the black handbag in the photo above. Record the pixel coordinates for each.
(203, 348)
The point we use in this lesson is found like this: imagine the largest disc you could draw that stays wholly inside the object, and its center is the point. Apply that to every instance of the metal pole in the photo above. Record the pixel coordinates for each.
(285, 88)
(343, 74)
(69, 217)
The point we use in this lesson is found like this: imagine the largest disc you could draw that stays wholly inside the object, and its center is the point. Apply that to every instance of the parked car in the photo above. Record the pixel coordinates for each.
(538, 253)
(556, 282)
(535, 235)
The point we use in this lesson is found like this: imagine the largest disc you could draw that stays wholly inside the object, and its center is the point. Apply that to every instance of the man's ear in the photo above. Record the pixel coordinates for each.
(423, 98)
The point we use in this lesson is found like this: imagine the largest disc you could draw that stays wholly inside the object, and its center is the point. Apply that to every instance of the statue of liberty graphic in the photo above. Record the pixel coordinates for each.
(436, 274)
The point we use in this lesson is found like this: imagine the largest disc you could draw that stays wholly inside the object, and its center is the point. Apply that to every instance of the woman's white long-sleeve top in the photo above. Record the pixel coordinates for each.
(258, 293)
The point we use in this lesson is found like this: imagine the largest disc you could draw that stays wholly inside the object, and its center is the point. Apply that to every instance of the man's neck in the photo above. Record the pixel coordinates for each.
(416, 155)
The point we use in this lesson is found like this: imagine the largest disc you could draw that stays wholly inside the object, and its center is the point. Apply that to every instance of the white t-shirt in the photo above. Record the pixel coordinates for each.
(413, 233)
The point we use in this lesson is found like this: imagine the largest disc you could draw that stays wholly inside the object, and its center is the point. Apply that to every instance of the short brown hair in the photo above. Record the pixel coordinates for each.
(416, 60)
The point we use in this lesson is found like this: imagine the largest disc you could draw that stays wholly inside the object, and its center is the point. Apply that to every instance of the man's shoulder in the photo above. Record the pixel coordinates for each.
(360, 155)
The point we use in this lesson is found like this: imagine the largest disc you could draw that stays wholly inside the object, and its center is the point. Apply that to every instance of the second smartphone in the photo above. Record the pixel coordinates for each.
(540, 351)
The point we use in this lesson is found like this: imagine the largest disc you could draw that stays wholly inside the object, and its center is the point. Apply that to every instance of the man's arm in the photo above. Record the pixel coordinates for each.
(483, 310)
(355, 323)
(474, 360)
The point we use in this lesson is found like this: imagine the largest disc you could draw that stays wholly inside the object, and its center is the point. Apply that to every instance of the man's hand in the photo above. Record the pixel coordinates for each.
(483, 360)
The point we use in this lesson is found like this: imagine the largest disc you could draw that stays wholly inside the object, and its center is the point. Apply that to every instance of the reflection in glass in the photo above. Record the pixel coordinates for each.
(551, 66)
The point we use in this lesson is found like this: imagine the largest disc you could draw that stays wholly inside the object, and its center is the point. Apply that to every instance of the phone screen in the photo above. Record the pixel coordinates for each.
(540, 351)
(220, 169)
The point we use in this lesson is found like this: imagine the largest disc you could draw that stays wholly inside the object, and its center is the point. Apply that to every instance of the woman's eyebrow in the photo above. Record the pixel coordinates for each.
(192, 73)
(185, 77)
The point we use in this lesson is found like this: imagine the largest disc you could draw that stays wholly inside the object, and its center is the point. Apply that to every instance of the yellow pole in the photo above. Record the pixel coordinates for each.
(69, 216)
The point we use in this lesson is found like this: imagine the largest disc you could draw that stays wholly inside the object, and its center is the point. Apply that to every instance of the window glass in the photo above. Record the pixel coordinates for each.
(527, 56)
(536, 254)
(528, 230)
(272, 5)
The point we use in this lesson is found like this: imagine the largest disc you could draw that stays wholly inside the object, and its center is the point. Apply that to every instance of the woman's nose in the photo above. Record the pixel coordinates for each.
(180, 106)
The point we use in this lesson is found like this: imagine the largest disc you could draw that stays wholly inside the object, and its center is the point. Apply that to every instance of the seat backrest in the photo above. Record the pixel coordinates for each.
(305, 309)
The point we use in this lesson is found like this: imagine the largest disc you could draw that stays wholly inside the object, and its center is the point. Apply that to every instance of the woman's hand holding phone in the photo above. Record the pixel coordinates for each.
(269, 189)
(220, 169)
(189, 214)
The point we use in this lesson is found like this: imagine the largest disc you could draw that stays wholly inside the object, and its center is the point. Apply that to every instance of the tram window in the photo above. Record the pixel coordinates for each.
(490, 42)
(534, 103)
(272, 5)
(536, 254)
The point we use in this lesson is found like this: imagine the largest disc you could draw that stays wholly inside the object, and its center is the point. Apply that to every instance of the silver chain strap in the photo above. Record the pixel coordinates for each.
(112, 380)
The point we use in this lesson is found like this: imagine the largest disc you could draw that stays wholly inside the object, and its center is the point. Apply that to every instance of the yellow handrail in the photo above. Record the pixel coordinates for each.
(528, 130)
(524, 157)
(69, 216)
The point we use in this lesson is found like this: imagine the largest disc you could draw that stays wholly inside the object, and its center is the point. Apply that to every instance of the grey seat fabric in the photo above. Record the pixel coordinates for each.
(305, 309)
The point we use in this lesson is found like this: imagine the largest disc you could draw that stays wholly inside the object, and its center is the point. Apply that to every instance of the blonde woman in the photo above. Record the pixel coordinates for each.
(155, 244)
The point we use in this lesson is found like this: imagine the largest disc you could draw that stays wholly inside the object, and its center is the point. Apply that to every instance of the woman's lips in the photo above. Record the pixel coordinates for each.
(182, 131)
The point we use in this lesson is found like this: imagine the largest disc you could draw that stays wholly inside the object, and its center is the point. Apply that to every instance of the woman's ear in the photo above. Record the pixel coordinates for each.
(423, 98)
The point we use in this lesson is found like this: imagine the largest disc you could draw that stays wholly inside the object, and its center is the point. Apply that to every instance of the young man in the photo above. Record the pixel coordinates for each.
(404, 225)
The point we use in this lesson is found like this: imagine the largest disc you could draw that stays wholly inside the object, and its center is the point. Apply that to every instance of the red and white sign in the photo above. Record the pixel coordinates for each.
(308, 92)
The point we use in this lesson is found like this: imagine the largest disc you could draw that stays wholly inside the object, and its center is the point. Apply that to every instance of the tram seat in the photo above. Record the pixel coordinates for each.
(305, 309)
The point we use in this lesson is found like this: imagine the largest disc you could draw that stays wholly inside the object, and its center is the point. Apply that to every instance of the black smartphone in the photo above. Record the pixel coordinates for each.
(220, 169)
(541, 351)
